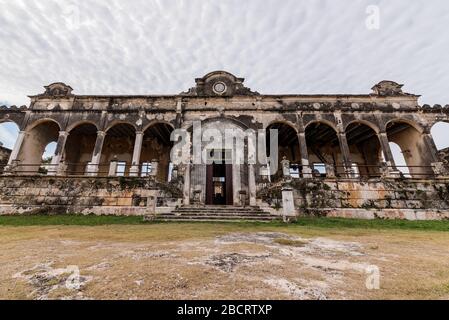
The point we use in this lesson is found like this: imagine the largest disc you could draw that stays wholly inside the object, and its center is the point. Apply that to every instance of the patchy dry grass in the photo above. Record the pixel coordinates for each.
(290, 242)
(228, 261)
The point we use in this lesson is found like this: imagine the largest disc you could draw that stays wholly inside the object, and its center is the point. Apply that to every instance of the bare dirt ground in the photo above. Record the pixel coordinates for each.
(221, 261)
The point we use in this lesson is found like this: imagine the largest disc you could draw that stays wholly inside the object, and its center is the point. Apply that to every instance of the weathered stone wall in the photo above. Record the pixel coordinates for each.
(386, 198)
(444, 155)
(52, 195)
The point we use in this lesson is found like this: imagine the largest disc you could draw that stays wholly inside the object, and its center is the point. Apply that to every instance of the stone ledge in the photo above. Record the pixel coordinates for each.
(403, 214)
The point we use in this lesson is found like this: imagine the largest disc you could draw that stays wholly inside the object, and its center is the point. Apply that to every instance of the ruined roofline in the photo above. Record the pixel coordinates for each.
(288, 95)
(226, 85)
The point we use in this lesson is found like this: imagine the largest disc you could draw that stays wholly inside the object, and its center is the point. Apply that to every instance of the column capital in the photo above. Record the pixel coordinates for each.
(63, 133)
(101, 133)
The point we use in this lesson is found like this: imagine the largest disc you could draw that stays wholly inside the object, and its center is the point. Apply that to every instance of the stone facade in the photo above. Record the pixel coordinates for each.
(341, 141)
(444, 155)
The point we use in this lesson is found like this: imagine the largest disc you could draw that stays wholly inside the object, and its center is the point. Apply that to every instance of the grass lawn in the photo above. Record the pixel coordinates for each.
(92, 220)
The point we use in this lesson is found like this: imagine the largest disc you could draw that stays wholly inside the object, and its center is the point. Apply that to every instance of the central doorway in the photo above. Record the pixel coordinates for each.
(219, 182)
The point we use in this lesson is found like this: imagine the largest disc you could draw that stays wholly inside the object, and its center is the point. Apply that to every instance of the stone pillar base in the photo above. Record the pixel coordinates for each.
(306, 172)
(288, 204)
(134, 171)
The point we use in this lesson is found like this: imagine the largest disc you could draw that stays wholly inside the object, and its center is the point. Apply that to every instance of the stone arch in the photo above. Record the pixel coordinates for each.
(411, 139)
(284, 122)
(364, 147)
(364, 122)
(156, 148)
(116, 122)
(79, 123)
(234, 175)
(154, 122)
(236, 122)
(323, 121)
(288, 146)
(411, 123)
(38, 135)
(37, 122)
(79, 147)
(9, 120)
(118, 146)
(323, 146)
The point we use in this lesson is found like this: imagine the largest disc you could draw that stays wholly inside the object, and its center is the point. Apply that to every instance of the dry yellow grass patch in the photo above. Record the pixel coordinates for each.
(221, 261)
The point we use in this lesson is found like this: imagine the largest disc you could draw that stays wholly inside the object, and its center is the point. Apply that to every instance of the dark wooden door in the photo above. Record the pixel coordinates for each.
(228, 181)
(209, 184)
(211, 198)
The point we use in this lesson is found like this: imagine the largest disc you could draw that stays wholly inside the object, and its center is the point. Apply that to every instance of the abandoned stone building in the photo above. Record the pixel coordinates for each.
(112, 154)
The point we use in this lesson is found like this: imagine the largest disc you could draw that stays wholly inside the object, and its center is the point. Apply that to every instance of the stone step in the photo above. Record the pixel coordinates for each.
(224, 208)
(214, 218)
(215, 213)
(249, 209)
(211, 220)
(221, 212)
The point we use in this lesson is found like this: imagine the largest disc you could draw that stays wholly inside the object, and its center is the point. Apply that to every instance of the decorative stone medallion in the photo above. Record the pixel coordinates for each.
(219, 87)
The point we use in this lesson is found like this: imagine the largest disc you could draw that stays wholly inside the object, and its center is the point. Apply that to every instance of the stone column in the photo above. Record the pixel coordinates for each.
(93, 167)
(154, 167)
(288, 203)
(113, 167)
(186, 191)
(437, 165)
(252, 185)
(285, 167)
(389, 170)
(135, 164)
(59, 152)
(236, 184)
(430, 143)
(15, 151)
(345, 153)
(306, 170)
(386, 150)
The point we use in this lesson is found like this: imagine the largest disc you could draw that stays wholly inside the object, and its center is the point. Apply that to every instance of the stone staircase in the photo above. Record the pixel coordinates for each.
(214, 213)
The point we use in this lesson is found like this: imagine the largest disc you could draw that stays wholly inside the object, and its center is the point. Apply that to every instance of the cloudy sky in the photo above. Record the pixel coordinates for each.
(160, 46)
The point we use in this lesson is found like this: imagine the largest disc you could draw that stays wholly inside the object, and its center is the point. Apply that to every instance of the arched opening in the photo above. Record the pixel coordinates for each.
(155, 154)
(79, 148)
(118, 146)
(365, 149)
(38, 148)
(9, 132)
(413, 148)
(323, 147)
(399, 159)
(288, 147)
(440, 135)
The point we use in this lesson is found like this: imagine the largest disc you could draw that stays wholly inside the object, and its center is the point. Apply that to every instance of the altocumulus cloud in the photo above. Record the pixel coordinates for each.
(141, 46)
